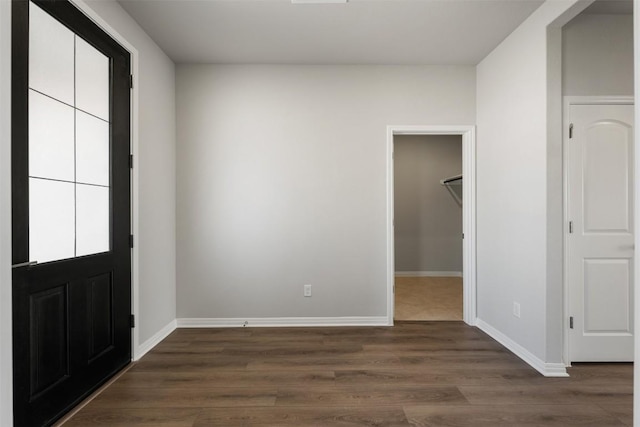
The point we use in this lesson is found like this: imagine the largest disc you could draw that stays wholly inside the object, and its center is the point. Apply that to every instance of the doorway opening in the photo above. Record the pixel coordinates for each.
(462, 196)
(428, 185)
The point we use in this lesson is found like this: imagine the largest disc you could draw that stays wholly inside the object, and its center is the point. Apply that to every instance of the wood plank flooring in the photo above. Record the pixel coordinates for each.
(428, 298)
(413, 374)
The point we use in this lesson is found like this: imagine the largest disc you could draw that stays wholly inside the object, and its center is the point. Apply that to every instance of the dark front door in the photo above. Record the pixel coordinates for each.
(71, 208)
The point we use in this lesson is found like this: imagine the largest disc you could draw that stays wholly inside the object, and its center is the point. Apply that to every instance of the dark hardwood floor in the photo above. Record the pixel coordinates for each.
(414, 374)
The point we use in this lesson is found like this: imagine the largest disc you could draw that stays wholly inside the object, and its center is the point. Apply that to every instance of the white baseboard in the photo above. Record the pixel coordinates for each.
(281, 321)
(154, 340)
(428, 273)
(546, 369)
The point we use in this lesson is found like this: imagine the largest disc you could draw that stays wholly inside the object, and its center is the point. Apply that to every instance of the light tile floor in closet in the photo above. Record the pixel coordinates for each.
(428, 298)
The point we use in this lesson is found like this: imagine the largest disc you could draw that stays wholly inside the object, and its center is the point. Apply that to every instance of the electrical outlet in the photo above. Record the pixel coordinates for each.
(307, 290)
(516, 309)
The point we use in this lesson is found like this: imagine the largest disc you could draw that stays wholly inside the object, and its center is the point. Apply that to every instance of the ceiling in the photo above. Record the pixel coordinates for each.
(358, 32)
(610, 7)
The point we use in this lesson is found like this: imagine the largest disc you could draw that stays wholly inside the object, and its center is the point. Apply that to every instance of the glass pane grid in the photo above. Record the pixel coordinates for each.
(69, 143)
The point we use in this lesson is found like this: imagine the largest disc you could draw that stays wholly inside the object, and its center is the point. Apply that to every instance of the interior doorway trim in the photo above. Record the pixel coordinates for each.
(468, 134)
(568, 101)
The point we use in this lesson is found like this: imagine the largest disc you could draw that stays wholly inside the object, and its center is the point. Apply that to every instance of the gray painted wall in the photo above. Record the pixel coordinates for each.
(282, 182)
(636, 216)
(156, 237)
(428, 218)
(597, 55)
(6, 370)
(512, 195)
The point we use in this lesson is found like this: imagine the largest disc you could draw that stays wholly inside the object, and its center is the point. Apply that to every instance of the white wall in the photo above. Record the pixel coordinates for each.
(155, 237)
(597, 55)
(516, 229)
(428, 218)
(281, 182)
(6, 373)
(636, 371)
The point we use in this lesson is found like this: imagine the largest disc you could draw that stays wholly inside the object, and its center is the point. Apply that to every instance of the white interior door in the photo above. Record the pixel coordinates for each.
(600, 241)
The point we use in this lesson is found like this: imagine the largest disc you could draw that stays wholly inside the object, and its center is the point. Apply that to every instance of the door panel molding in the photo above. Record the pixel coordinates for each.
(49, 353)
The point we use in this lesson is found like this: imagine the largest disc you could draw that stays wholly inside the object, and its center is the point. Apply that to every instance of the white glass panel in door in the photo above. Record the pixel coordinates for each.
(92, 220)
(92, 150)
(51, 220)
(51, 133)
(92, 80)
(51, 52)
(68, 143)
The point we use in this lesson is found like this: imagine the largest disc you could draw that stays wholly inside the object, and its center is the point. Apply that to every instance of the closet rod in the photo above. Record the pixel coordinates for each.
(450, 179)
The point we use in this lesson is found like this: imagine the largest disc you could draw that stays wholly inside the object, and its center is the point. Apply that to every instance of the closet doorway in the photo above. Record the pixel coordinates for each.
(428, 184)
(433, 259)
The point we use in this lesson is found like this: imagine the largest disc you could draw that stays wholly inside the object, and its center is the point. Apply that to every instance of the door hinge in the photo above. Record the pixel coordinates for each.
(130, 161)
(130, 81)
(571, 131)
(571, 322)
(463, 236)
(570, 227)
(131, 240)
(132, 320)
